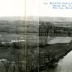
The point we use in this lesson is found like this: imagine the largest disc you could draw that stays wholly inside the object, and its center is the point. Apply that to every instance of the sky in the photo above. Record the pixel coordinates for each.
(32, 8)
(12, 8)
(44, 8)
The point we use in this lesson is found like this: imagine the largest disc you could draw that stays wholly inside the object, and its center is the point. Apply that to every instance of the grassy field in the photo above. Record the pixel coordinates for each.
(31, 55)
(18, 56)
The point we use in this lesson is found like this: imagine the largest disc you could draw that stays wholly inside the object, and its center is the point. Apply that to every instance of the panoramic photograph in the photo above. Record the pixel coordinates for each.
(36, 46)
(35, 36)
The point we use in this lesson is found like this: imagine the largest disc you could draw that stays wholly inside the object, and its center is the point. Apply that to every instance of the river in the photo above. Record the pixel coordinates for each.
(64, 65)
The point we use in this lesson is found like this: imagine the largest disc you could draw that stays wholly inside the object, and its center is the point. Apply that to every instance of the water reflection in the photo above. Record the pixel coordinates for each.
(64, 65)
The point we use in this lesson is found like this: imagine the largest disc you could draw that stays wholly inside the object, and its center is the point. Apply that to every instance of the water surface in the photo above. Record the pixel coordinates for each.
(64, 65)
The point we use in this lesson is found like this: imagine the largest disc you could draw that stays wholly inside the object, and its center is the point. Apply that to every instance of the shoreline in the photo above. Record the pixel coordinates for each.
(54, 53)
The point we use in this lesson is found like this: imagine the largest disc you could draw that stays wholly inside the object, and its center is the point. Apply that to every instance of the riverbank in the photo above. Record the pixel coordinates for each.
(52, 53)
(47, 56)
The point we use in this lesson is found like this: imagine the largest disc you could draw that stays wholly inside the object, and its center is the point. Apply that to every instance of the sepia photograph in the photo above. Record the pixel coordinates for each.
(35, 36)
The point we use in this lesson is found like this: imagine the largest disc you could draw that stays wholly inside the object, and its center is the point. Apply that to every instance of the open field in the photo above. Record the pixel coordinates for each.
(60, 40)
(34, 52)
(17, 47)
